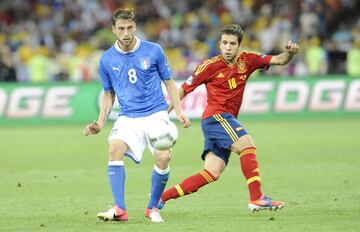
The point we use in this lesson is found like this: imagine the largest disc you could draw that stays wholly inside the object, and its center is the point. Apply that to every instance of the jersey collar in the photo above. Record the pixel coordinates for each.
(137, 45)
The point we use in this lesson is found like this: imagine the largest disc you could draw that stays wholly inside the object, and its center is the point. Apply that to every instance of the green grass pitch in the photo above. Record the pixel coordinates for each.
(54, 179)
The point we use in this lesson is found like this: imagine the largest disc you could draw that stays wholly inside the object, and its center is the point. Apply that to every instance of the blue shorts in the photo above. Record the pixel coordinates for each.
(220, 132)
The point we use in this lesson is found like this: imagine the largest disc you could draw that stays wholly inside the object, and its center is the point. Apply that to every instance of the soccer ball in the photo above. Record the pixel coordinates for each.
(162, 135)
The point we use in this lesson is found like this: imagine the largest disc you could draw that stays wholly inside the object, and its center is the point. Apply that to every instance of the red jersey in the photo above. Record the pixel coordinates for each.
(224, 82)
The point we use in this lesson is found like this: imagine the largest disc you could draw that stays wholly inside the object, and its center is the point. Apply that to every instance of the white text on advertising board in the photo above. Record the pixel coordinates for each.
(29, 102)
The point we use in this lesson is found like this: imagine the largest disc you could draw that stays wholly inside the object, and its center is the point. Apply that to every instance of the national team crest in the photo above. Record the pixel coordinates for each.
(145, 63)
(242, 67)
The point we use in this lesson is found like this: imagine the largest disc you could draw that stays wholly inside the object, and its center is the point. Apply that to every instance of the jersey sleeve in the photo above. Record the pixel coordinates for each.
(162, 64)
(198, 77)
(259, 61)
(105, 78)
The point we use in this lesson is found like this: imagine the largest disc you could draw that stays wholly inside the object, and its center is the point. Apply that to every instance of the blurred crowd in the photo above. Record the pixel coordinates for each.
(53, 40)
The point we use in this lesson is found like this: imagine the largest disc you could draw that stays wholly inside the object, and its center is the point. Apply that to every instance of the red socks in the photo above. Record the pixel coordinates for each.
(250, 169)
(189, 185)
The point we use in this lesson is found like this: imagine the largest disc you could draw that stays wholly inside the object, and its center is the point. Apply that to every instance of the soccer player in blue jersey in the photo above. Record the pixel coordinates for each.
(132, 70)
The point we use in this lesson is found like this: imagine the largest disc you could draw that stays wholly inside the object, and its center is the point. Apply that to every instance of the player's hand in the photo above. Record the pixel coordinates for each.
(291, 47)
(92, 128)
(184, 120)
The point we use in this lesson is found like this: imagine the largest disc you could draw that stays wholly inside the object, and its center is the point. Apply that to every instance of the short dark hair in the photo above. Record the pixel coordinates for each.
(232, 29)
(123, 14)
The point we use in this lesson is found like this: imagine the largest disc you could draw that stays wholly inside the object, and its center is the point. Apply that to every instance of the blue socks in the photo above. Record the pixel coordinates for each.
(159, 179)
(116, 172)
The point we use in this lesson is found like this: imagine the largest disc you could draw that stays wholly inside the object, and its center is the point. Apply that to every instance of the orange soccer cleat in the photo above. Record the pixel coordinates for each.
(265, 202)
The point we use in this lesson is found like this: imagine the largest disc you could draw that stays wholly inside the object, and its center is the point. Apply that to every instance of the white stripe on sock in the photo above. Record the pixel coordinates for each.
(162, 172)
(116, 163)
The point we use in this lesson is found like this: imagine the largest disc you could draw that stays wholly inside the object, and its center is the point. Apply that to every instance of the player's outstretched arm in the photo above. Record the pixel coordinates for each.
(175, 97)
(107, 102)
(182, 94)
(285, 57)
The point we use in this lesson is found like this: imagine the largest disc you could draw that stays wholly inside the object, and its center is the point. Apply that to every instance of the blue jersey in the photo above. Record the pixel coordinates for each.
(136, 77)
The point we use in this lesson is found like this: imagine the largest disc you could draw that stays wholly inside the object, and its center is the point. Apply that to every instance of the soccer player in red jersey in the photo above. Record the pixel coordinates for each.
(225, 77)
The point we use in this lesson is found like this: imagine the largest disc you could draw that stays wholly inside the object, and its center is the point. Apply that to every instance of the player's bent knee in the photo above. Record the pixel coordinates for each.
(117, 150)
(162, 155)
(216, 175)
(162, 158)
(242, 143)
(215, 172)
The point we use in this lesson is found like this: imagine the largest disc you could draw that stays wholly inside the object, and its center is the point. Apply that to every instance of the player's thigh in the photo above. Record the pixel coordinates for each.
(130, 131)
(242, 143)
(214, 164)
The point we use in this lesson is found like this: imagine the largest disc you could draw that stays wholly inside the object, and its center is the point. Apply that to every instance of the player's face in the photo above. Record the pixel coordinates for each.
(229, 47)
(124, 30)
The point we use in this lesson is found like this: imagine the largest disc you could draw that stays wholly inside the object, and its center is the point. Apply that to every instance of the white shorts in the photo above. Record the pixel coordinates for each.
(133, 131)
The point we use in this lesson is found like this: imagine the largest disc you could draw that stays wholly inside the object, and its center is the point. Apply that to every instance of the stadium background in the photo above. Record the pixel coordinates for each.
(305, 117)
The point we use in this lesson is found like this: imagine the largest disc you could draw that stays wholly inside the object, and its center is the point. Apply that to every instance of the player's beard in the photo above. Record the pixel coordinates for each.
(229, 58)
(126, 44)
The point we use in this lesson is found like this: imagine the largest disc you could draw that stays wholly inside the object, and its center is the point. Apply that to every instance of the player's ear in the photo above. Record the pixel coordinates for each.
(113, 29)
(134, 26)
